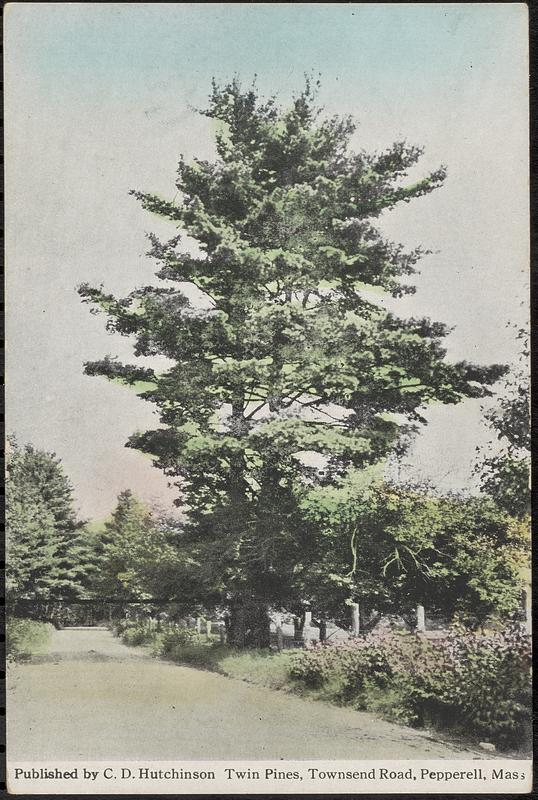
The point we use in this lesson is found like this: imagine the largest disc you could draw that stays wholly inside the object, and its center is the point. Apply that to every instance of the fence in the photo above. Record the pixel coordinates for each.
(106, 611)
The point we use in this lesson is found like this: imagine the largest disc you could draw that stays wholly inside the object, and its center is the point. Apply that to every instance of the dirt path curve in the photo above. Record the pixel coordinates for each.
(93, 698)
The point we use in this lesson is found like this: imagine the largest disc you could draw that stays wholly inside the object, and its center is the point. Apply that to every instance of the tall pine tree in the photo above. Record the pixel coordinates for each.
(289, 356)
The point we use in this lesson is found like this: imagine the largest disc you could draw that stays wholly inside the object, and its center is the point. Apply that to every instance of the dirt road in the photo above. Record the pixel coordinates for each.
(93, 698)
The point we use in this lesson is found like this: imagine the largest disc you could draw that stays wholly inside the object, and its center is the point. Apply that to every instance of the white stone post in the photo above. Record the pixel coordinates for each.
(198, 625)
(208, 628)
(279, 633)
(421, 619)
(355, 620)
(307, 628)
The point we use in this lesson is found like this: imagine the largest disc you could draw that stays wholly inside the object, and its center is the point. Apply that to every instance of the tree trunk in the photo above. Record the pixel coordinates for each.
(237, 624)
(250, 625)
(355, 619)
(261, 627)
(322, 630)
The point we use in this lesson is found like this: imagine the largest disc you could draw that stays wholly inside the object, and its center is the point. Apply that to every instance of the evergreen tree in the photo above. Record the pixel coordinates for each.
(288, 356)
(48, 557)
(140, 555)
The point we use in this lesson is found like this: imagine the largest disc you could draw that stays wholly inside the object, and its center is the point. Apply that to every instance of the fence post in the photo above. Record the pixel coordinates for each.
(198, 625)
(421, 619)
(355, 620)
(307, 627)
(279, 634)
(208, 628)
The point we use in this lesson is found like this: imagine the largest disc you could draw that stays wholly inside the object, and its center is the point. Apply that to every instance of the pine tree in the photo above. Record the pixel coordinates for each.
(288, 356)
(140, 557)
(48, 557)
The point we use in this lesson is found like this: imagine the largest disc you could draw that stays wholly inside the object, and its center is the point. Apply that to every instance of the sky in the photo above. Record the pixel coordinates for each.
(102, 98)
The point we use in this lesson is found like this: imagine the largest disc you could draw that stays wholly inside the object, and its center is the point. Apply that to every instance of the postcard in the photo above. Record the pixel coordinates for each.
(268, 398)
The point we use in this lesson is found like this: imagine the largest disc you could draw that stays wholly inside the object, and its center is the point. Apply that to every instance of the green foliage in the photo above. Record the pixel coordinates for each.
(136, 634)
(49, 555)
(473, 684)
(392, 548)
(175, 643)
(178, 637)
(26, 638)
(505, 475)
(138, 553)
(506, 479)
(287, 356)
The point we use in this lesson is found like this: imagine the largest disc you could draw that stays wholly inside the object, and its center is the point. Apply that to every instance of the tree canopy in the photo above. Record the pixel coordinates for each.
(392, 547)
(289, 374)
(140, 555)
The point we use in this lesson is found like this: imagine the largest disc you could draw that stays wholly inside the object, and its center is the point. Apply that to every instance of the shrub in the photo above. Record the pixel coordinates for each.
(178, 636)
(313, 666)
(135, 633)
(480, 684)
(466, 682)
(26, 637)
(169, 643)
(203, 655)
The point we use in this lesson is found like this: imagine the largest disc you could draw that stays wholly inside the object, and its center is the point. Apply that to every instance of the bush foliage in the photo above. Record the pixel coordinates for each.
(469, 683)
(26, 637)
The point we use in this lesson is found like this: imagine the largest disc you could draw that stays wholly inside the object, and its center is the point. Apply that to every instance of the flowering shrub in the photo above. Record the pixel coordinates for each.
(480, 682)
(350, 663)
(467, 682)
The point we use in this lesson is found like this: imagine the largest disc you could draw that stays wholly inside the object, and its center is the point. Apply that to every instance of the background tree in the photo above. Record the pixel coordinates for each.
(392, 548)
(287, 356)
(505, 475)
(141, 556)
(48, 554)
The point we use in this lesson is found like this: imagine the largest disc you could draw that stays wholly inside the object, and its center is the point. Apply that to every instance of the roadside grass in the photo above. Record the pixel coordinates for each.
(258, 666)
(261, 667)
(26, 638)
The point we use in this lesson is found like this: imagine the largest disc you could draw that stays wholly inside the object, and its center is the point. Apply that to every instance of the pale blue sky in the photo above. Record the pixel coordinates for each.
(99, 100)
(124, 44)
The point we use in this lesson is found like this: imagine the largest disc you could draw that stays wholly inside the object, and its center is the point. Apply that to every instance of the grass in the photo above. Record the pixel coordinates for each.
(258, 666)
(262, 667)
(26, 638)
(255, 666)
